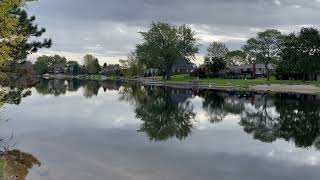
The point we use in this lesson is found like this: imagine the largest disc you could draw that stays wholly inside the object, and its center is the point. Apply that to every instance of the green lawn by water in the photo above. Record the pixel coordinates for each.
(242, 82)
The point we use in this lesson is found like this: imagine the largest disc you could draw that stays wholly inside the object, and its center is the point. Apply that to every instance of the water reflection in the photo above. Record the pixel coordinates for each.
(164, 112)
(295, 118)
(194, 127)
(167, 113)
(15, 165)
(13, 95)
(219, 104)
(59, 87)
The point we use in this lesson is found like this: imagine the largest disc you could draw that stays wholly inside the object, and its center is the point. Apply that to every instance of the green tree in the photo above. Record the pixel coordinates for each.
(91, 64)
(236, 57)
(265, 48)
(9, 28)
(215, 64)
(216, 56)
(18, 32)
(300, 55)
(73, 67)
(164, 44)
(217, 50)
(44, 62)
(132, 66)
(41, 66)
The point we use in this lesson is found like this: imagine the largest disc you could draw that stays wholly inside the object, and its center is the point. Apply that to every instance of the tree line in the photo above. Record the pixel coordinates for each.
(297, 55)
(47, 64)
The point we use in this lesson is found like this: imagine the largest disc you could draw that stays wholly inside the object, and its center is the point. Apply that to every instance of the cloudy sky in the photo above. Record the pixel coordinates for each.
(109, 28)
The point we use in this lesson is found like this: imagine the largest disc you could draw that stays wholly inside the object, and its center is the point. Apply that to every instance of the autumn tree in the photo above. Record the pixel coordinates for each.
(18, 32)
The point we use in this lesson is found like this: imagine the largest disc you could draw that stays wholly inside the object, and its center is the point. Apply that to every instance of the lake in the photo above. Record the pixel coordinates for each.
(82, 130)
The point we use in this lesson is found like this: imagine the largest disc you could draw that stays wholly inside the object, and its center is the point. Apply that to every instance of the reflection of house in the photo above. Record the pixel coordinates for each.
(183, 67)
(180, 95)
(109, 85)
(250, 70)
(57, 69)
(112, 69)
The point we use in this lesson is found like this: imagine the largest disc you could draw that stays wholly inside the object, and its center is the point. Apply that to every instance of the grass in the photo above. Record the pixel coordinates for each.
(2, 166)
(241, 82)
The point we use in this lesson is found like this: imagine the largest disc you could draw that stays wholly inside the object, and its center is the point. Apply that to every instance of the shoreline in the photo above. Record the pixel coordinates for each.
(278, 88)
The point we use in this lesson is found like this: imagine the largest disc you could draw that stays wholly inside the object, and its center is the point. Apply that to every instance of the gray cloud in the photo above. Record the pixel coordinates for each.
(109, 27)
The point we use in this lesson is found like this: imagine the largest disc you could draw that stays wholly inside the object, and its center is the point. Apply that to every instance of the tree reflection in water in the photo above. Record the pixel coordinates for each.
(295, 118)
(163, 112)
(168, 112)
(267, 117)
(14, 164)
(59, 87)
(91, 89)
(219, 104)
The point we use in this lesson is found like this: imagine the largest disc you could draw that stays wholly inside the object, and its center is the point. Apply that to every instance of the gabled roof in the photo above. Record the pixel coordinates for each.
(250, 66)
(183, 64)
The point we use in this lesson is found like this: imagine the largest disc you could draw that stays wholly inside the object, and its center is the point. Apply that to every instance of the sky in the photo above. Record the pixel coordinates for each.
(109, 29)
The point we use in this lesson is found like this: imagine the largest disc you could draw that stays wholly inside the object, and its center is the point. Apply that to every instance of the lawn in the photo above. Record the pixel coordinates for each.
(241, 82)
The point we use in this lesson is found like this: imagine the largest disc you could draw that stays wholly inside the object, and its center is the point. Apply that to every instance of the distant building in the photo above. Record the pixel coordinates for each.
(183, 67)
(201, 71)
(249, 70)
(151, 71)
(57, 69)
(112, 69)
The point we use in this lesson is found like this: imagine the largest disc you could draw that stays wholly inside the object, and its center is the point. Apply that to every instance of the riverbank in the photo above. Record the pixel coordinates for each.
(185, 81)
(284, 88)
(80, 77)
(243, 82)
(274, 85)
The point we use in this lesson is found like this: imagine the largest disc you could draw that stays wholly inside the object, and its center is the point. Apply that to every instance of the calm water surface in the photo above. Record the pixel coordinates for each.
(92, 130)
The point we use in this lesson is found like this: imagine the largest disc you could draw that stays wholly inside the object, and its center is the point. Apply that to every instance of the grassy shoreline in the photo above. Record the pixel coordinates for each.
(241, 82)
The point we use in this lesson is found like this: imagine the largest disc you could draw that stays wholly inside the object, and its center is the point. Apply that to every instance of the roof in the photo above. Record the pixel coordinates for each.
(249, 66)
(183, 64)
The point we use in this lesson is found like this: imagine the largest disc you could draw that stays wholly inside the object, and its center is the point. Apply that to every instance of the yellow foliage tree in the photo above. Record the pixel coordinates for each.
(9, 35)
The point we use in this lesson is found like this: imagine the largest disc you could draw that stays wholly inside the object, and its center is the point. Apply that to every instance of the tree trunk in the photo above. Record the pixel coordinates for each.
(168, 73)
(267, 71)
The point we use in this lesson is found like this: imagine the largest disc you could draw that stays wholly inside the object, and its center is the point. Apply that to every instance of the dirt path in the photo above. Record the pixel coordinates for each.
(307, 89)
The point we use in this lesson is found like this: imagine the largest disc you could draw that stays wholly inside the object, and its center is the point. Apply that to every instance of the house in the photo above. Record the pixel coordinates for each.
(57, 69)
(202, 71)
(112, 69)
(151, 71)
(247, 71)
(183, 67)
